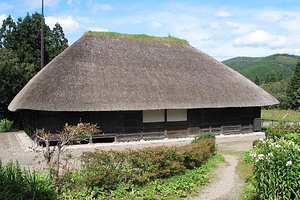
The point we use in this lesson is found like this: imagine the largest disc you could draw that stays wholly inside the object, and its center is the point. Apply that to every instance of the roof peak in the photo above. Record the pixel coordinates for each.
(140, 37)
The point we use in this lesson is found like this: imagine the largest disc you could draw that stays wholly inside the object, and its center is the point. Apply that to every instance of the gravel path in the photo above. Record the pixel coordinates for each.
(17, 146)
(225, 184)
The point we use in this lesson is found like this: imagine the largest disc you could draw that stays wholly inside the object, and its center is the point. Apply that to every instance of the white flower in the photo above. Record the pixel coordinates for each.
(271, 144)
(261, 139)
(289, 163)
(270, 154)
(292, 143)
(260, 156)
(253, 155)
(277, 145)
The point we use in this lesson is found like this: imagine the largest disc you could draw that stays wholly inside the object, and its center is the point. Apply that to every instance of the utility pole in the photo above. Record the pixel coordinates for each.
(42, 36)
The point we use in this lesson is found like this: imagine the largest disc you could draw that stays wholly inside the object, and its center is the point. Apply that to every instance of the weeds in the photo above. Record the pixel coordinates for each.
(16, 183)
(6, 125)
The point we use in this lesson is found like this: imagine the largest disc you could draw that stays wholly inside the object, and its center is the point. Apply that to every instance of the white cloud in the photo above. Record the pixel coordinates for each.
(99, 29)
(289, 20)
(232, 27)
(297, 50)
(68, 23)
(292, 24)
(274, 16)
(261, 38)
(223, 14)
(3, 17)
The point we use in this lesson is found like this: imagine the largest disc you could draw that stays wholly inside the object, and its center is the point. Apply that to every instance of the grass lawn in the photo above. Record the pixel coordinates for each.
(282, 115)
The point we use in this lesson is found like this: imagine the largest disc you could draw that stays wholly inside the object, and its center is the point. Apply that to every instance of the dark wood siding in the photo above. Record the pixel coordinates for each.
(131, 122)
(216, 120)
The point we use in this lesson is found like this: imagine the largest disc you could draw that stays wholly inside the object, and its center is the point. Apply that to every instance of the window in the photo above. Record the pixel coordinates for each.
(176, 115)
(153, 116)
(150, 116)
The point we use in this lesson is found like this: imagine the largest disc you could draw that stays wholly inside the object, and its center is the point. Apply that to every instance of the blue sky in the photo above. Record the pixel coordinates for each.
(222, 29)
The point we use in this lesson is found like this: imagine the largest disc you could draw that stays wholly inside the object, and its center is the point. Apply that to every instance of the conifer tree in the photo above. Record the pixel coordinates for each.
(256, 80)
(20, 49)
(293, 90)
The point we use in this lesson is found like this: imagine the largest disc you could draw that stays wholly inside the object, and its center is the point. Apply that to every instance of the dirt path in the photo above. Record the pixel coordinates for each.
(225, 184)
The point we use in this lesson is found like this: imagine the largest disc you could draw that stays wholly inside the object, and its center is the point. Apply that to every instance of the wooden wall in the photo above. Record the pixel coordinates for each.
(218, 120)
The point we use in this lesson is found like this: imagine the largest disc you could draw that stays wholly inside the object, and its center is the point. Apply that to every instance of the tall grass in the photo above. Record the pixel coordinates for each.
(17, 183)
(143, 37)
(5, 125)
(281, 115)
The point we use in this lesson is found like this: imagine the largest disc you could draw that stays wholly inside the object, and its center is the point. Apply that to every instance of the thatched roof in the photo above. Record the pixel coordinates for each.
(108, 72)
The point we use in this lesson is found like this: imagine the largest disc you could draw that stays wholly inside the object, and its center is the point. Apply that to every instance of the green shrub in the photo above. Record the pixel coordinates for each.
(6, 125)
(16, 183)
(203, 136)
(106, 169)
(276, 169)
(175, 187)
(281, 129)
(293, 137)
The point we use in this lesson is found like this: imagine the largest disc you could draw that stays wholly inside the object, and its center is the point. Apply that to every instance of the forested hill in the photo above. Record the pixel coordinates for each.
(279, 65)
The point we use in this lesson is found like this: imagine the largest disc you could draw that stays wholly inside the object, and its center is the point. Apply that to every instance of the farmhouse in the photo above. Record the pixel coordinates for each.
(140, 87)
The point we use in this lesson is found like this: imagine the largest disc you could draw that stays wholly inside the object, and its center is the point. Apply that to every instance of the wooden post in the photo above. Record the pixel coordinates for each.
(166, 131)
(42, 36)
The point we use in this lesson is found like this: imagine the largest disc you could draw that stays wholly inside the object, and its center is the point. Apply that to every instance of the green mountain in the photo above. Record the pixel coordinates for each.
(282, 64)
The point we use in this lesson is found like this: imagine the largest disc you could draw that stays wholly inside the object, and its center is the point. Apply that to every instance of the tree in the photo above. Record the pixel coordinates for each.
(20, 58)
(293, 90)
(57, 42)
(6, 31)
(271, 78)
(277, 90)
(256, 80)
(24, 38)
(11, 78)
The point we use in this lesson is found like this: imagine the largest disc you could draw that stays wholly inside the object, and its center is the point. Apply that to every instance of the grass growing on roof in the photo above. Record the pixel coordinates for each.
(168, 39)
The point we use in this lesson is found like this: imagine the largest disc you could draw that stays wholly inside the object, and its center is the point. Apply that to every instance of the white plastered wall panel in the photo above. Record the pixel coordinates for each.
(177, 115)
(150, 116)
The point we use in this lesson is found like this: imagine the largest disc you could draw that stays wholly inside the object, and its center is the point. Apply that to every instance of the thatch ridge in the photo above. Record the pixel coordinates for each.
(107, 74)
(168, 39)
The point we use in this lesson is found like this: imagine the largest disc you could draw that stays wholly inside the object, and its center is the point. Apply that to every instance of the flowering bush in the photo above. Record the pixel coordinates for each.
(276, 169)
(80, 132)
